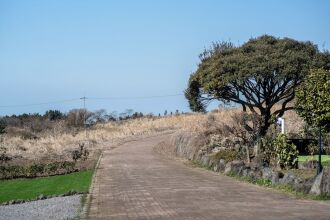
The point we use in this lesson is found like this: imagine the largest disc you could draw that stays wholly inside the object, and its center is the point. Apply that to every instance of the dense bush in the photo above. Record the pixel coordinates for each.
(277, 152)
(287, 154)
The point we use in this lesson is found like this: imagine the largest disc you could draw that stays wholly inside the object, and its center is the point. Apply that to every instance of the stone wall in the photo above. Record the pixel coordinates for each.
(195, 147)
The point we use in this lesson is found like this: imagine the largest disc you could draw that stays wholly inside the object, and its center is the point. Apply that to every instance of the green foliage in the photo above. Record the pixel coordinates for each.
(55, 185)
(54, 115)
(193, 94)
(257, 181)
(312, 149)
(277, 151)
(257, 75)
(264, 182)
(313, 99)
(287, 154)
(227, 155)
(267, 146)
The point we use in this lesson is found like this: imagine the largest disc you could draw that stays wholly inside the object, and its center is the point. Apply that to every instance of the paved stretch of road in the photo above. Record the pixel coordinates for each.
(134, 182)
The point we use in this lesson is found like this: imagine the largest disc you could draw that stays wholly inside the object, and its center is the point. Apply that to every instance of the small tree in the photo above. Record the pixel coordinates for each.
(78, 117)
(99, 116)
(313, 99)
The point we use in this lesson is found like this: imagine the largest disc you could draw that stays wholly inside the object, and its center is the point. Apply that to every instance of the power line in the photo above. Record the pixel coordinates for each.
(36, 104)
(84, 98)
(89, 98)
(136, 97)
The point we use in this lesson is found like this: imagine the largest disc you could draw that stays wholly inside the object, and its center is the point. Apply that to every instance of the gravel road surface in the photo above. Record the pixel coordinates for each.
(56, 208)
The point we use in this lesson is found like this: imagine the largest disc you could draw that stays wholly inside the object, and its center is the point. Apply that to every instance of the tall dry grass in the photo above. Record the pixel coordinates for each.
(57, 143)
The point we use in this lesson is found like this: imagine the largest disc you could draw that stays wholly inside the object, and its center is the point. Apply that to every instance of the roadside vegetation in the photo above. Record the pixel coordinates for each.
(19, 190)
(266, 78)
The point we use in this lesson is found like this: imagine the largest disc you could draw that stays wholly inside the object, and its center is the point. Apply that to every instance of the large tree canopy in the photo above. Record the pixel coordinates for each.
(257, 75)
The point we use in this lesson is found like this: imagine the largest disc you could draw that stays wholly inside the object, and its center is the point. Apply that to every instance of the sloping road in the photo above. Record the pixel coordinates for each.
(134, 182)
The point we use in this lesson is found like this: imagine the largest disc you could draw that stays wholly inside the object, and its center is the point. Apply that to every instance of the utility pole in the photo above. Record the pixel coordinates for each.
(84, 98)
(85, 111)
(319, 165)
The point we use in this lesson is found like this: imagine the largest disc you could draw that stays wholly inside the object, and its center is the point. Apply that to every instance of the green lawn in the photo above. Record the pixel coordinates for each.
(325, 159)
(54, 185)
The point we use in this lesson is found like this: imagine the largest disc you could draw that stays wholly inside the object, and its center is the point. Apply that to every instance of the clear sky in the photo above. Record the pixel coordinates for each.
(62, 50)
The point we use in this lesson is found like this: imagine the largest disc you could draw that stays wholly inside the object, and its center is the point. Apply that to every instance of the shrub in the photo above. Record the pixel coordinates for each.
(312, 149)
(81, 153)
(3, 125)
(34, 170)
(277, 151)
(287, 154)
(4, 157)
(327, 150)
(268, 148)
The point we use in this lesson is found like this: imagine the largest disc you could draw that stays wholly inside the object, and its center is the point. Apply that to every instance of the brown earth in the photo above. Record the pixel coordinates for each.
(135, 182)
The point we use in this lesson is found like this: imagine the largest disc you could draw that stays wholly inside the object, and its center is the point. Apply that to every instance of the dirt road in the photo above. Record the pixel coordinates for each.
(134, 182)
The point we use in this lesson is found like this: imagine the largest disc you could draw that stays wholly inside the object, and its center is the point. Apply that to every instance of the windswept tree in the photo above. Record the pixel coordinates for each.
(258, 75)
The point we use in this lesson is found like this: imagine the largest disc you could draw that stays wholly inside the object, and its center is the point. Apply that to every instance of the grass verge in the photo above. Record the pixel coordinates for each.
(315, 157)
(29, 189)
(324, 158)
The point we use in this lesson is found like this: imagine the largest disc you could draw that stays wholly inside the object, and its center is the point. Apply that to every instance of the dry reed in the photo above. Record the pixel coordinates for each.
(59, 143)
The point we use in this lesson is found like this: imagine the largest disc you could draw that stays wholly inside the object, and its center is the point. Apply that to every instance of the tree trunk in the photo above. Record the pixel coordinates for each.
(247, 154)
(265, 124)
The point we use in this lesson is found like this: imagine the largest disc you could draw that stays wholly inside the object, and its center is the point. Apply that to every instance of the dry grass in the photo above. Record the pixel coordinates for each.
(57, 143)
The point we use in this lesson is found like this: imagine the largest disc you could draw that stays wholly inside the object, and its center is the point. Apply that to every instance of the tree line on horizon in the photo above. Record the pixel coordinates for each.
(27, 125)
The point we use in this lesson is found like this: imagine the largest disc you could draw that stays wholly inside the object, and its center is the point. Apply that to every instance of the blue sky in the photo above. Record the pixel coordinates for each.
(60, 50)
